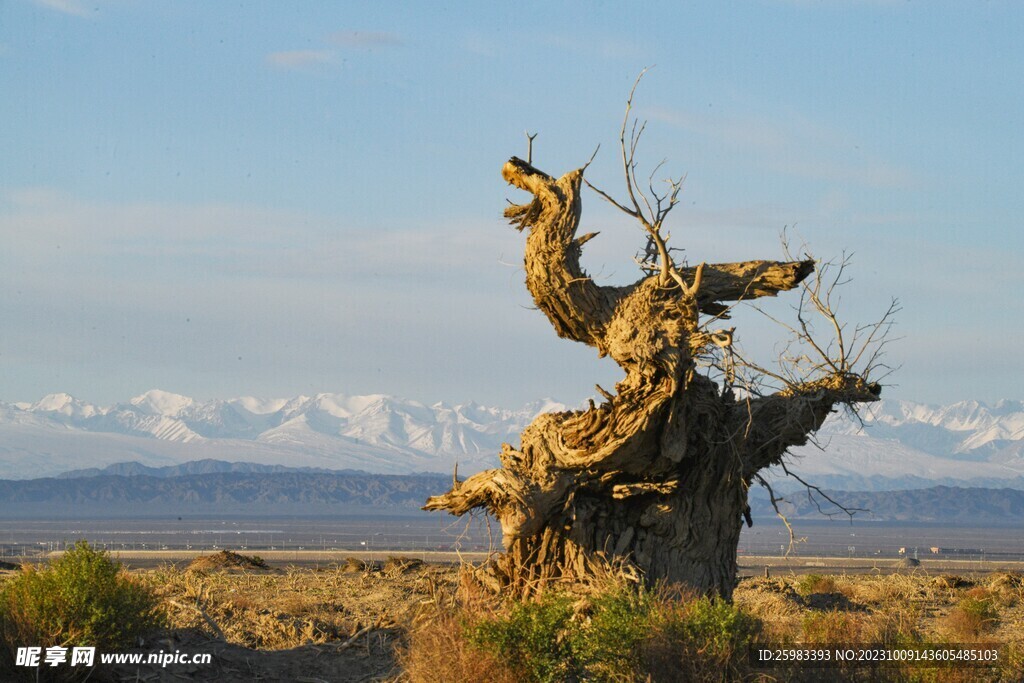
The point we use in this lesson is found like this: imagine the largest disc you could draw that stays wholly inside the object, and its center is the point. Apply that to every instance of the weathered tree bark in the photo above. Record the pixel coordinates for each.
(657, 475)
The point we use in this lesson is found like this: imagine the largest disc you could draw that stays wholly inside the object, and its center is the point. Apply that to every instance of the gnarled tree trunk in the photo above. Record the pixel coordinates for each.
(657, 475)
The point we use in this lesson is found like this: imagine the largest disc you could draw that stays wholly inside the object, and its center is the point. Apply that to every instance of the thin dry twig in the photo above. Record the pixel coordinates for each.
(775, 500)
(651, 216)
(359, 634)
(206, 617)
(808, 356)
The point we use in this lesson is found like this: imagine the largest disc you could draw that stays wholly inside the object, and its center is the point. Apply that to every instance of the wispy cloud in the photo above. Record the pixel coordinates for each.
(748, 132)
(42, 224)
(72, 7)
(606, 47)
(795, 146)
(298, 59)
(156, 288)
(366, 41)
(363, 40)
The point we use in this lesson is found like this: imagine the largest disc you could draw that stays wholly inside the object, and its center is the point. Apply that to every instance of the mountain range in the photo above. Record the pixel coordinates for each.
(210, 488)
(214, 489)
(893, 444)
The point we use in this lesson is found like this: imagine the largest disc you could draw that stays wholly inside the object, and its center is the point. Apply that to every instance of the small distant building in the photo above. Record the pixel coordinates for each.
(902, 551)
(935, 551)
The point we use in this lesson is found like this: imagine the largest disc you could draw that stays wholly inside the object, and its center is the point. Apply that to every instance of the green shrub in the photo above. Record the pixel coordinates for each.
(531, 638)
(624, 634)
(82, 599)
(610, 646)
(703, 639)
(815, 583)
(973, 616)
(719, 627)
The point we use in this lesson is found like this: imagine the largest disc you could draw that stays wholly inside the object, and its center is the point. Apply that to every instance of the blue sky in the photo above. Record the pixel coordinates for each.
(268, 198)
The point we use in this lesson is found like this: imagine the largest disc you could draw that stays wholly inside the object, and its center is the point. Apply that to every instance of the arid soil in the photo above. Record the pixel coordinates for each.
(348, 621)
(340, 623)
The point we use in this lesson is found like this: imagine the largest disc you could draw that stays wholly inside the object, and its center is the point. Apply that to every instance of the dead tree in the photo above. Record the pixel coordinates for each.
(657, 475)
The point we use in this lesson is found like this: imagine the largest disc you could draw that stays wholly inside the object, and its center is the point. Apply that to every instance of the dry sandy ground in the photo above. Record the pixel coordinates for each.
(340, 623)
(372, 659)
(347, 621)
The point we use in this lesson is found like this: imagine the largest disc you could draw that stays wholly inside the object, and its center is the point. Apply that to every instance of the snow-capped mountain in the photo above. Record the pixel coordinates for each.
(896, 444)
(376, 433)
(902, 444)
(966, 430)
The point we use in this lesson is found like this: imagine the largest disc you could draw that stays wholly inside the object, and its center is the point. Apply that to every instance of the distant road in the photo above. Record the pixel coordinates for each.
(749, 565)
(154, 558)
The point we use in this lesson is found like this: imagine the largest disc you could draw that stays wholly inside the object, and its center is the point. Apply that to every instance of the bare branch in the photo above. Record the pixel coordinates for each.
(529, 146)
(811, 489)
(591, 159)
(611, 200)
(793, 540)
(809, 357)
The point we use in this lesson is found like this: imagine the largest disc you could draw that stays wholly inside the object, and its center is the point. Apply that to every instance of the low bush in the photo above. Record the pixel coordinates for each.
(609, 643)
(973, 615)
(894, 626)
(82, 599)
(623, 634)
(816, 583)
(530, 638)
(700, 639)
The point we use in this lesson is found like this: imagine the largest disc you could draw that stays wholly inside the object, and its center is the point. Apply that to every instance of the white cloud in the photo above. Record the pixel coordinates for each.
(746, 132)
(346, 40)
(72, 7)
(604, 47)
(297, 59)
(46, 232)
(46, 215)
(157, 294)
(794, 146)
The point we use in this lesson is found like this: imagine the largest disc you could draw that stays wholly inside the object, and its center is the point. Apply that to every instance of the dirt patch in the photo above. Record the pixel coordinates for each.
(369, 657)
(951, 582)
(353, 565)
(289, 624)
(831, 601)
(228, 560)
(780, 586)
(329, 625)
(907, 563)
(401, 565)
(1006, 580)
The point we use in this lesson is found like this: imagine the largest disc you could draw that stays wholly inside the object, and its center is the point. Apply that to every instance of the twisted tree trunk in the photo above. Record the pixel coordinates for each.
(657, 475)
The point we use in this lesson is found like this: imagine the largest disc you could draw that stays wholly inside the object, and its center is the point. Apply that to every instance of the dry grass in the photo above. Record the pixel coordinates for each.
(400, 565)
(292, 607)
(974, 615)
(439, 652)
(424, 609)
(816, 583)
(897, 610)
